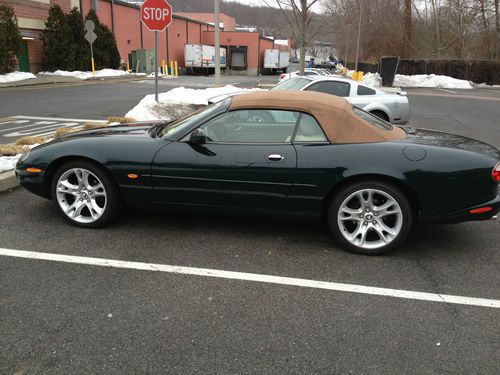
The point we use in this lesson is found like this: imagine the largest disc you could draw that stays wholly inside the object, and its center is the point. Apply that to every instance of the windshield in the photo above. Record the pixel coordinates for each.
(173, 129)
(372, 119)
(292, 84)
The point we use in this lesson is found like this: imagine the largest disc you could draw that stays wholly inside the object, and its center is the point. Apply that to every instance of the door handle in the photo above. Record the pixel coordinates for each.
(275, 157)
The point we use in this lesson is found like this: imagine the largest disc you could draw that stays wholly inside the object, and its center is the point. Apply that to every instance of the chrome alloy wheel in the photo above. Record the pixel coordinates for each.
(370, 218)
(81, 195)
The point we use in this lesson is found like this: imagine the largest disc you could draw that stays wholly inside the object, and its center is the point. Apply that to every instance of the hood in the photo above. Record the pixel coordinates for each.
(447, 140)
(138, 129)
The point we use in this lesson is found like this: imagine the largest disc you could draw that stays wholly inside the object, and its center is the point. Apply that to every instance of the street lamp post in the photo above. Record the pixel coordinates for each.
(217, 43)
(359, 34)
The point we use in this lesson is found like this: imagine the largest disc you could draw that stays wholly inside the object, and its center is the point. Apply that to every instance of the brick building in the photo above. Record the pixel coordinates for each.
(245, 50)
(31, 16)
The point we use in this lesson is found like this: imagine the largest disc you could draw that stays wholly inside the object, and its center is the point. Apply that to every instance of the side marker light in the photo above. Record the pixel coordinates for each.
(33, 170)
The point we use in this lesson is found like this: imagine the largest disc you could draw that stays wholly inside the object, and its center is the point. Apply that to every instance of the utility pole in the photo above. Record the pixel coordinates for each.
(359, 34)
(217, 43)
(346, 46)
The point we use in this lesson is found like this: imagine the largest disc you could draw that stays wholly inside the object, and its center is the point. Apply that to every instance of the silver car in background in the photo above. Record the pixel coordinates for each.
(392, 107)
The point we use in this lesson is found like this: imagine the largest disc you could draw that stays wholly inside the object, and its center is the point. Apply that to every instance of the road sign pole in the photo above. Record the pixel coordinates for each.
(92, 59)
(156, 66)
(90, 36)
(156, 15)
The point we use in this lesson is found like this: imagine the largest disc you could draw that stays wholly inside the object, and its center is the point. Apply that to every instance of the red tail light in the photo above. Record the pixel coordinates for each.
(496, 173)
(480, 210)
(282, 76)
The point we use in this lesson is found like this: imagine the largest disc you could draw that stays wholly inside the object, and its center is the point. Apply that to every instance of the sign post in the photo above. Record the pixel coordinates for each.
(157, 16)
(91, 37)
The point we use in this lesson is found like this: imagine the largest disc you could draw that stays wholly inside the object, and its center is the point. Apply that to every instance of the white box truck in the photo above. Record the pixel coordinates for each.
(193, 55)
(209, 57)
(276, 60)
(202, 56)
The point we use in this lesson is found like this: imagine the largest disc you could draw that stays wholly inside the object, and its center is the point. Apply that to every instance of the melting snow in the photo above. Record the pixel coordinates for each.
(87, 75)
(16, 76)
(172, 102)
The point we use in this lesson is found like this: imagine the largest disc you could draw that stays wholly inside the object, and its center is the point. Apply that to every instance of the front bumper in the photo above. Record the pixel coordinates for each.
(465, 215)
(33, 182)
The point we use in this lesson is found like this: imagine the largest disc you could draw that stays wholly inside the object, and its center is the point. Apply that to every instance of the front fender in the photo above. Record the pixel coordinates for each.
(119, 157)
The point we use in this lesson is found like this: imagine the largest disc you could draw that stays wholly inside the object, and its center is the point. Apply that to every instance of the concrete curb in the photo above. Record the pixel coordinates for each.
(8, 181)
(68, 81)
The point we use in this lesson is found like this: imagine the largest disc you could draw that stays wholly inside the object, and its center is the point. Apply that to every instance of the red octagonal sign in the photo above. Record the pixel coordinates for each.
(156, 14)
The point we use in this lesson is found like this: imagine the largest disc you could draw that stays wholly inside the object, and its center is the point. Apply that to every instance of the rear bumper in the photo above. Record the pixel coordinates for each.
(465, 215)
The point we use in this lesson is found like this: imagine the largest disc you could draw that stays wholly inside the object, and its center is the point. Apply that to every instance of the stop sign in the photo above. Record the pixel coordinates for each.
(156, 14)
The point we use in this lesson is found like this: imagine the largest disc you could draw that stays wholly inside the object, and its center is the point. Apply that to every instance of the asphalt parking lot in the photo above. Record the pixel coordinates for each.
(65, 316)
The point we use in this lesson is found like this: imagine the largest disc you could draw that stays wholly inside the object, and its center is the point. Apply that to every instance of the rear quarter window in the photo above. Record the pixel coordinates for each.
(363, 90)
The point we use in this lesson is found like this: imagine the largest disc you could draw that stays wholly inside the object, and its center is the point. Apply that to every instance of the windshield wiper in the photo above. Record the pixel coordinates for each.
(156, 129)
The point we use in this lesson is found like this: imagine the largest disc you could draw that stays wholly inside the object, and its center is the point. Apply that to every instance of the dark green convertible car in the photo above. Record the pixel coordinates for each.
(280, 154)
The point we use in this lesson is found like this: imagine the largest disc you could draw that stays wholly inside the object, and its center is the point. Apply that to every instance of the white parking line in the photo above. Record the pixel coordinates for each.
(57, 119)
(351, 288)
(453, 92)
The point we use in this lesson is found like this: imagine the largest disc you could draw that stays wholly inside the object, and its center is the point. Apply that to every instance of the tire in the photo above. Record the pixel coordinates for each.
(380, 115)
(370, 217)
(85, 194)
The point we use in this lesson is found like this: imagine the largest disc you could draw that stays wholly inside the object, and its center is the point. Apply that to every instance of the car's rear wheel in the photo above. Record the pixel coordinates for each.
(84, 194)
(370, 217)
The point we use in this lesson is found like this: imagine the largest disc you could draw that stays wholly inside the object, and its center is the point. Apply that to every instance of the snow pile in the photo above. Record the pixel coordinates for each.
(431, 80)
(16, 76)
(87, 75)
(372, 79)
(174, 103)
(8, 163)
(419, 80)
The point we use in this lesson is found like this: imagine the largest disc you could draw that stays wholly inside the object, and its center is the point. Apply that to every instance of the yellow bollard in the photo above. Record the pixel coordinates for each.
(171, 68)
(163, 67)
(360, 76)
(344, 71)
(93, 67)
(176, 70)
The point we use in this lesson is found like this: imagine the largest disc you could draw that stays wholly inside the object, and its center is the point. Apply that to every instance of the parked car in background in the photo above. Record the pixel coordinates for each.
(307, 72)
(392, 107)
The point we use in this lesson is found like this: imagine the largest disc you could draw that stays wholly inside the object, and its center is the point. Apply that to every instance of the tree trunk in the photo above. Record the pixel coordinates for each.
(302, 35)
(497, 29)
(406, 50)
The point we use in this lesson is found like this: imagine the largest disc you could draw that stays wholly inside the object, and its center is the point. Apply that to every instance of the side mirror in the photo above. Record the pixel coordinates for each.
(198, 137)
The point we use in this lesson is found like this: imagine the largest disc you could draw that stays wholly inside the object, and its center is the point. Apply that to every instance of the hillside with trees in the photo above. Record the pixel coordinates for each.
(269, 20)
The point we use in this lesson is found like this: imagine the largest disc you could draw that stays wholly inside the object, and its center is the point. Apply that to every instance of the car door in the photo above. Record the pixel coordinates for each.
(247, 161)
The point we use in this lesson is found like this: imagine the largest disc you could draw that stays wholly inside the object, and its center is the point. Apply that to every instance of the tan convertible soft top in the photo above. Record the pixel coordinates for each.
(335, 114)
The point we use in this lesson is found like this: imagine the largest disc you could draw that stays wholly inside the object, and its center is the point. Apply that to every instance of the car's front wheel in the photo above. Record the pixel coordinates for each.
(84, 194)
(370, 217)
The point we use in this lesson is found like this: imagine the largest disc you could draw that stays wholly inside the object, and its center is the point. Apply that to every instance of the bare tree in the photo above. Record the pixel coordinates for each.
(298, 14)
(406, 52)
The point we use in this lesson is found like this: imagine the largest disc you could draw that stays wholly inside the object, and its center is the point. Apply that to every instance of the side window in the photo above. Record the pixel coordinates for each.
(331, 87)
(309, 130)
(310, 74)
(363, 90)
(251, 126)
